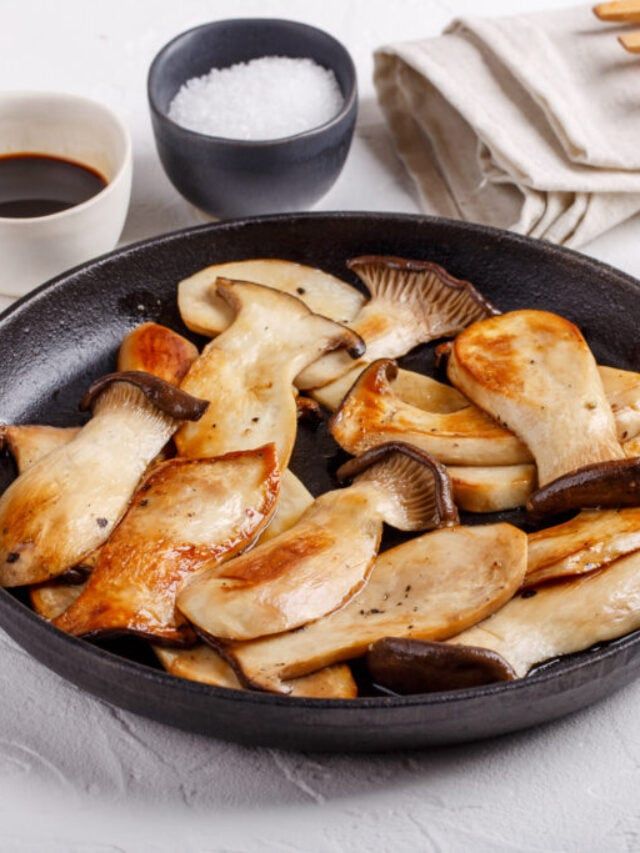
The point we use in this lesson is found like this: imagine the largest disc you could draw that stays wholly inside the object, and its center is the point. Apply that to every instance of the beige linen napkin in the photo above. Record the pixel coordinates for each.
(529, 122)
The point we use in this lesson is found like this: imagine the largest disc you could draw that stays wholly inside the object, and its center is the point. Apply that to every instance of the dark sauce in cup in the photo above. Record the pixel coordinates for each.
(39, 185)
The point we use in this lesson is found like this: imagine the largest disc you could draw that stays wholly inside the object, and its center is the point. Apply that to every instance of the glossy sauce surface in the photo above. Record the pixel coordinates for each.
(38, 185)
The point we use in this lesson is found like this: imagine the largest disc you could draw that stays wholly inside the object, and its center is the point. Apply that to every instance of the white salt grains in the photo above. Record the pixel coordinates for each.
(266, 98)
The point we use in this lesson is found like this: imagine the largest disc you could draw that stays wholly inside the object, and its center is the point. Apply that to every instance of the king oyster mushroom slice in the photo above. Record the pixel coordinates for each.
(188, 513)
(416, 389)
(67, 503)
(431, 587)
(323, 560)
(584, 544)
(412, 302)
(295, 499)
(247, 372)
(205, 665)
(562, 618)
(372, 413)
(159, 350)
(418, 666)
(534, 372)
(205, 312)
(28, 443)
(622, 388)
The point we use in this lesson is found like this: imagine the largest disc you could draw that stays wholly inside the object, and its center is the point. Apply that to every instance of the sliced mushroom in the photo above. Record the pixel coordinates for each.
(412, 302)
(372, 413)
(534, 372)
(591, 540)
(562, 618)
(205, 665)
(323, 560)
(295, 499)
(622, 388)
(205, 312)
(412, 388)
(67, 503)
(28, 443)
(430, 588)
(417, 666)
(248, 371)
(49, 600)
(492, 488)
(188, 513)
(156, 349)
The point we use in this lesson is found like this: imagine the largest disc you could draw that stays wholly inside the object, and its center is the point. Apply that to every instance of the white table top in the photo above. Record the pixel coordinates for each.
(77, 775)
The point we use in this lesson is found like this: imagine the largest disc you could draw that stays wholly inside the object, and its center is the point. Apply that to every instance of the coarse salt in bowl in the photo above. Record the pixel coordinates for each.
(271, 97)
(253, 115)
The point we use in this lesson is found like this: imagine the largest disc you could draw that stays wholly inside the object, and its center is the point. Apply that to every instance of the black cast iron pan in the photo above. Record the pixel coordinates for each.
(58, 339)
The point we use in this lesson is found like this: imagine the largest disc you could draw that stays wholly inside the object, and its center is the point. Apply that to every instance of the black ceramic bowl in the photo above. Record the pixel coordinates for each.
(54, 342)
(226, 177)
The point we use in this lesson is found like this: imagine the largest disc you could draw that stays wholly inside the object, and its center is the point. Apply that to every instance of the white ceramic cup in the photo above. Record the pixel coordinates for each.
(34, 250)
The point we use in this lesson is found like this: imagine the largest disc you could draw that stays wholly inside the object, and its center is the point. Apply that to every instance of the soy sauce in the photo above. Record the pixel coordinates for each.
(39, 185)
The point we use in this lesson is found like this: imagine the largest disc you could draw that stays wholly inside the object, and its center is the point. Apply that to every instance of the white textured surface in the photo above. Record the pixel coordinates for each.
(76, 775)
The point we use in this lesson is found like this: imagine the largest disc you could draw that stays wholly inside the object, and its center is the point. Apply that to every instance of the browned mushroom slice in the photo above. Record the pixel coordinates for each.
(295, 499)
(203, 664)
(412, 388)
(412, 302)
(585, 544)
(428, 588)
(28, 443)
(622, 388)
(325, 558)
(247, 372)
(416, 666)
(188, 513)
(51, 599)
(66, 504)
(204, 311)
(372, 413)
(562, 618)
(492, 488)
(156, 349)
(534, 372)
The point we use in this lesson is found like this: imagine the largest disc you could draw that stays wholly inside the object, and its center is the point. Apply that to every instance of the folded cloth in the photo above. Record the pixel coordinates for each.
(530, 122)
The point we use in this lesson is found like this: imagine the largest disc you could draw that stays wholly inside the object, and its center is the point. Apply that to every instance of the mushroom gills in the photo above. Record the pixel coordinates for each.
(78, 481)
(584, 544)
(562, 618)
(205, 312)
(412, 302)
(323, 560)
(158, 350)
(247, 372)
(373, 413)
(417, 666)
(186, 514)
(431, 587)
(203, 664)
(533, 371)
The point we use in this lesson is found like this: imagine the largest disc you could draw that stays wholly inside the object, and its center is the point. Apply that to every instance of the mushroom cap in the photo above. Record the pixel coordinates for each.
(417, 666)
